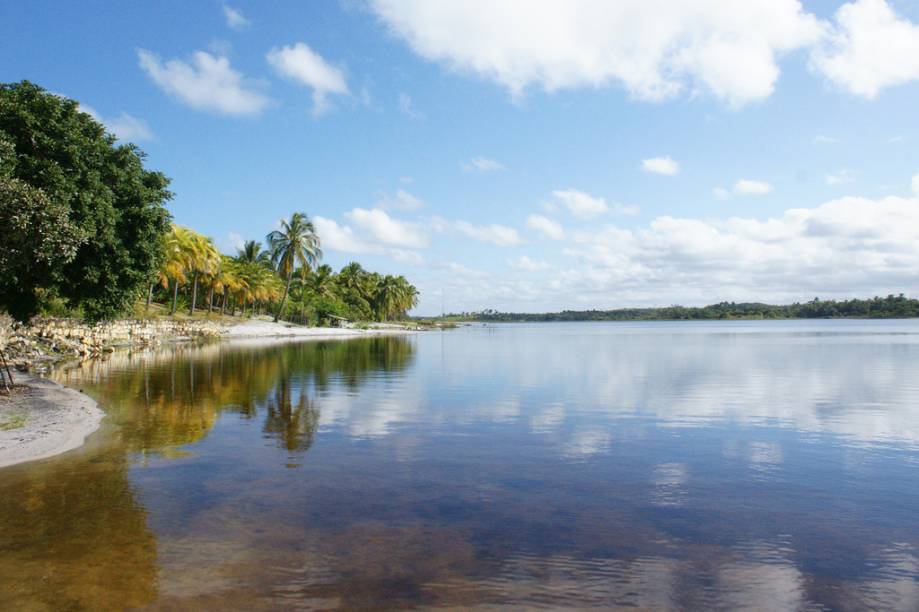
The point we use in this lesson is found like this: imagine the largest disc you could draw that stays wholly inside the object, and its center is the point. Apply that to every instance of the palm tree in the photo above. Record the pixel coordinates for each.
(295, 243)
(203, 258)
(321, 282)
(176, 262)
(252, 253)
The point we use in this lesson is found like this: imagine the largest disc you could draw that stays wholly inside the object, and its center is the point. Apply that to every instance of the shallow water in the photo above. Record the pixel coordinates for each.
(769, 465)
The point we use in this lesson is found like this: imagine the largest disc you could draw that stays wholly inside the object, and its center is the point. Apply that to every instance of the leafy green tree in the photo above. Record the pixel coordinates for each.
(296, 243)
(38, 241)
(105, 190)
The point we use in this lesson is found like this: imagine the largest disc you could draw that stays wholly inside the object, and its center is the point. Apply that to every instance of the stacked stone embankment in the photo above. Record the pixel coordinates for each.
(48, 339)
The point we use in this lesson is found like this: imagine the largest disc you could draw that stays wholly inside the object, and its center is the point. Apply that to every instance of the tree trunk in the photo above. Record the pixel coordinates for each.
(223, 303)
(175, 296)
(290, 274)
(149, 298)
(194, 295)
(210, 300)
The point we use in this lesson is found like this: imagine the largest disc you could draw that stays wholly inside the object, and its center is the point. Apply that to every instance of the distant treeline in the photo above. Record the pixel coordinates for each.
(891, 307)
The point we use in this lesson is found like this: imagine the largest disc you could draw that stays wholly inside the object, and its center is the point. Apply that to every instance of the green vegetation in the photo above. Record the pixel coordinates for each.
(891, 307)
(86, 213)
(86, 232)
(285, 280)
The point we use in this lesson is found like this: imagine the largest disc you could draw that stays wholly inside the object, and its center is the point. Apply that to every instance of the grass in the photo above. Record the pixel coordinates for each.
(14, 421)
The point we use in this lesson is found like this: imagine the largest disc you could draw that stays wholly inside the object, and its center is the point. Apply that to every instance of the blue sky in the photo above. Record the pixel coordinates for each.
(522, 155)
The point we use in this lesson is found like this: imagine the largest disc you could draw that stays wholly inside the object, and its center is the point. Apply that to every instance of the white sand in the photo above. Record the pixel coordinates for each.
(258, 328)
(54, 419)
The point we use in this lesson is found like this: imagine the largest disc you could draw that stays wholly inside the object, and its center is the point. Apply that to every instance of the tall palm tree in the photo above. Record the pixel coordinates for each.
(295, 243)
(203, 258)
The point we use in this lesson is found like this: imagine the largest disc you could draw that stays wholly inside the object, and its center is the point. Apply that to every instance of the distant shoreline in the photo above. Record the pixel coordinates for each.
(890, 307)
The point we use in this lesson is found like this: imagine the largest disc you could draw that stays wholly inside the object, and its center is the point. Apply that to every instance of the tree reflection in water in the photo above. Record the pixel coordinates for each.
(74, 531)
(168, 398)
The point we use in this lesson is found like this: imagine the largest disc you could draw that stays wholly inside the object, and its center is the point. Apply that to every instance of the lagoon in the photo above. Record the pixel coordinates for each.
(709, 465)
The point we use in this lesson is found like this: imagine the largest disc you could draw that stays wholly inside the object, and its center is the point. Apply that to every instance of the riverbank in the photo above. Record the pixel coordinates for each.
(40, 418)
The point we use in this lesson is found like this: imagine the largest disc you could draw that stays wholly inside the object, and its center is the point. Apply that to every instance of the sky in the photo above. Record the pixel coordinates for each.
(522, 155)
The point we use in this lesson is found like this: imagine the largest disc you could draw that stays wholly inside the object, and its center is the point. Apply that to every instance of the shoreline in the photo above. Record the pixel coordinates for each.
(41, 418)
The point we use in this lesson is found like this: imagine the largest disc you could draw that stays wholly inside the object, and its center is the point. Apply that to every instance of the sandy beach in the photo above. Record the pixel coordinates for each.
(41, 418)
(260, 328)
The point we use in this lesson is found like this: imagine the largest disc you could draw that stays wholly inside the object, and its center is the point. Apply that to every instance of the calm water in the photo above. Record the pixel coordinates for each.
(768, 465)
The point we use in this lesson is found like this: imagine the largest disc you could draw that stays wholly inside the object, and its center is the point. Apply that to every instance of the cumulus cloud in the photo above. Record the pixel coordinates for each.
(498, 235)
(302, 65)
(661, 165)
(849, 245)
(655, 49)
(401, 200)
(482, 164)
(336, 237)
(375, 234)
(124, 126)
(545, 226)
(843, 248)
(207, 83)
(387, 230)
(585, 206)
(869, 48)
(235, 18)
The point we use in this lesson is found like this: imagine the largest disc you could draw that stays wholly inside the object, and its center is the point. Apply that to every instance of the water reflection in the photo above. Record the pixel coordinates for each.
(655, 466)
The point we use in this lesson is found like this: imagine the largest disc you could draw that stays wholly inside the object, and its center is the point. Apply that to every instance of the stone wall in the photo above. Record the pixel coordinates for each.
(46, 339)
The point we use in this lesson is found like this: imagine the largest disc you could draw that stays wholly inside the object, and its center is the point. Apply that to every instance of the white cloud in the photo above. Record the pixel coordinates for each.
(342, 238)
(585, 206)
(915, 185)
(125, 127)
(546, 226)
(499, 235)
(401, 200)
(821, 139)
(387, 230)
(581, 204)
(207, 83)
(482, 164)
(235, 18)
(848, 246)
(407, 106)
(870, 48)
(527, 264)
(656, 49)
(752, 187)
(661, 165)
(301, 64)
(838, 178)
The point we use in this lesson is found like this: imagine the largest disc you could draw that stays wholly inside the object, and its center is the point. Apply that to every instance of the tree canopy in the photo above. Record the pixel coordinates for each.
(88, 194)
